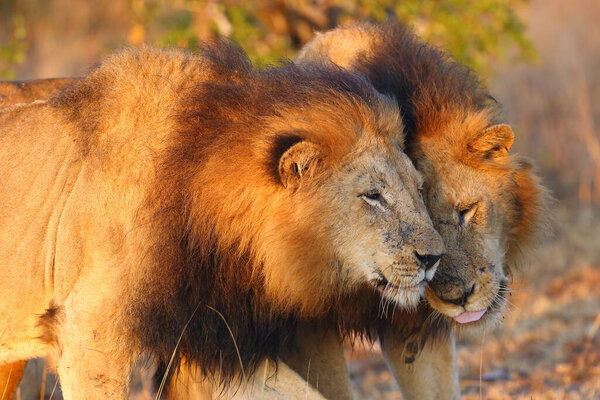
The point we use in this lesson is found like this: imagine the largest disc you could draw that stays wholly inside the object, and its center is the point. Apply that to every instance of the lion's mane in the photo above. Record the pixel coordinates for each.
(435, 94)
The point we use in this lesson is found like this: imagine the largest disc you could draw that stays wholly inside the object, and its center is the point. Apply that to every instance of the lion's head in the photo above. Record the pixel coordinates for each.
(486, 204)
(364, 215)
(332, 177)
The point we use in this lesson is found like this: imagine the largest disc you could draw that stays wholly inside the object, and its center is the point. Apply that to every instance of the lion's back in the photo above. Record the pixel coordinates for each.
(29, 91)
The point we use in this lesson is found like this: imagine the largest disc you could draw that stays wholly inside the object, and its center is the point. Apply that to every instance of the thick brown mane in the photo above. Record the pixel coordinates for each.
(445, 108)
(431, 89)
(211, 258)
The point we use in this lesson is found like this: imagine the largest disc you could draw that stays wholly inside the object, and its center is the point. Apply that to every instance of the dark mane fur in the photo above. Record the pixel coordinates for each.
(429, 86)
(216, 117)
(433, 92)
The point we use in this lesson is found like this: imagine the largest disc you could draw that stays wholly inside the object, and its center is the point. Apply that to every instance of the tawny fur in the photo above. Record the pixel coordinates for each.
(445, 110)
(455, 139)
(29, 91)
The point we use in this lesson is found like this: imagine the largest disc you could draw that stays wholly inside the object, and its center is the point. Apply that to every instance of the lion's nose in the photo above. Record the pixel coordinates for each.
(428, 260)
(462, 300)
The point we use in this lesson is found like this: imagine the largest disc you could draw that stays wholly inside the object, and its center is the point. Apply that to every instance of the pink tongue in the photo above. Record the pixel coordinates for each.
(469, 316)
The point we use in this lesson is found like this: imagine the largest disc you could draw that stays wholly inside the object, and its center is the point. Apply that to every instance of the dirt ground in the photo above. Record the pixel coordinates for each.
(547, 346)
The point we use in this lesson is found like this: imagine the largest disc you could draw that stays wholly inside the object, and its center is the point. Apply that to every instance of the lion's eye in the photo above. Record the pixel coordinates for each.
(466, 213)
(373, 197)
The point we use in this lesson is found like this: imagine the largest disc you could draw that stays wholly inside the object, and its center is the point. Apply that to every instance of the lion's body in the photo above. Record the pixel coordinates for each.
(160, 206)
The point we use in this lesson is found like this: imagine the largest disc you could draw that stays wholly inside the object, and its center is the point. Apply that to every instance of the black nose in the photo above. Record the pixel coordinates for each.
(462, 300)
(428, 260)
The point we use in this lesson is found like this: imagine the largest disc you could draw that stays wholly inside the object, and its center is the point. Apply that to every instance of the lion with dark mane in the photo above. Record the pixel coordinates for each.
(171, 204)
(487, 204)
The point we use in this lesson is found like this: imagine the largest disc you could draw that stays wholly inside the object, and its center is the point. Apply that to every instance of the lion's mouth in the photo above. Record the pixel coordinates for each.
(468, 317)
(387, 289)
(381, 281)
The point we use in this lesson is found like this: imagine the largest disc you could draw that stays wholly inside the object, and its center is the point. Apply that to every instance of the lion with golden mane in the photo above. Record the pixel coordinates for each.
(180, 205)
(487, 204)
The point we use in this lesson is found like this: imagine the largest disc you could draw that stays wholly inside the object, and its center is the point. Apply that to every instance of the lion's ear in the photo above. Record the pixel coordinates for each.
(493, 142)
(298, 162)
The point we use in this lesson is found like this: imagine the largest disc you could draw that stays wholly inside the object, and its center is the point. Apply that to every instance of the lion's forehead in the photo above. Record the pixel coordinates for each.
(381, 159)
(458, 185)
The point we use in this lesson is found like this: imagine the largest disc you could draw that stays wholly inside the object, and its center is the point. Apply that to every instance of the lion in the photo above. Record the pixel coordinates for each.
(455, 139)
(487, 204)
(178, 205)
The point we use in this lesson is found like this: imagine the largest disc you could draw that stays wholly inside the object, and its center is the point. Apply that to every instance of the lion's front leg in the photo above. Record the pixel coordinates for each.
(320, 360)
(315, 369)
(430, 372)
(270, 382)
(84, 375)
(94, 357)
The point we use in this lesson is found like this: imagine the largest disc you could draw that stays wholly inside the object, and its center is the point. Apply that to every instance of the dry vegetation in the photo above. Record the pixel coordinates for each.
(548, 346)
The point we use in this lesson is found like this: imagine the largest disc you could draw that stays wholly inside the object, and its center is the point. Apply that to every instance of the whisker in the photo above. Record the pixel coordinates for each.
(510, 303)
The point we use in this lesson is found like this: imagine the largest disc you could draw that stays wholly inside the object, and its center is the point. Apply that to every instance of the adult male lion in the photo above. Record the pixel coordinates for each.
(487, 205)
(170, 204)
(449, 116)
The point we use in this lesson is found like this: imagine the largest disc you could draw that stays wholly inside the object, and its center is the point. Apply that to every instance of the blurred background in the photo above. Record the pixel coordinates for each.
(540, 57)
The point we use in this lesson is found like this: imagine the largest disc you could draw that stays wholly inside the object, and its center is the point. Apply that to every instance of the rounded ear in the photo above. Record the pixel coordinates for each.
(298, 162)
(493, 142)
